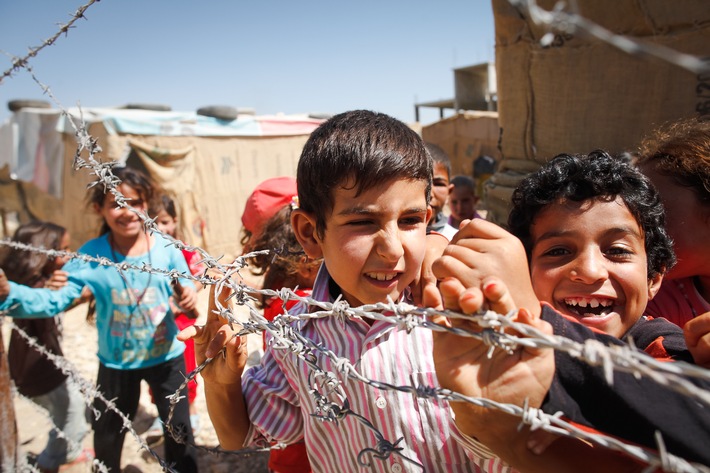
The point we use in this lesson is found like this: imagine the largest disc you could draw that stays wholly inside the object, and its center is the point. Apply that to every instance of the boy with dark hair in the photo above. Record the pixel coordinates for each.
(600, 294)
(440, 191)
(462, 200)
(593, 232)
(363, 181)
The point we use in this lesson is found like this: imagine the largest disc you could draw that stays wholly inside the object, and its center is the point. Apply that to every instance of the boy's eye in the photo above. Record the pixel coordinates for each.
(413, 220)
(619, 251)
(556, 252)
(359, 222)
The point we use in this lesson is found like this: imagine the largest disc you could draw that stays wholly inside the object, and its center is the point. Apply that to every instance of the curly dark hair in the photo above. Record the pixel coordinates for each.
(596, 176)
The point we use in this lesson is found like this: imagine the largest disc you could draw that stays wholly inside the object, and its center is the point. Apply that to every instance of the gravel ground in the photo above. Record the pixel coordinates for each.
(80, 349)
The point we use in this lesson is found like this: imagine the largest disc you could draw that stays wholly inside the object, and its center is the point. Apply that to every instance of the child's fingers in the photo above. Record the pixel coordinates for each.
(223, 337)
(478, 228)
(431, 297)
(497, 295)
(213, 311)
(187, 333)
(451, 289)
(453, 265)
(60, 275)
(696, 328)
(697, 337)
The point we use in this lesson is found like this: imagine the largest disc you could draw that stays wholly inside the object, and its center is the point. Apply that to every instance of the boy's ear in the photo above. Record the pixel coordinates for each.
(654, 285)
(304, 226)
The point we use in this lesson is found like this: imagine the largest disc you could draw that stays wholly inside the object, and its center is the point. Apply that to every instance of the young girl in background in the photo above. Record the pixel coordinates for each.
(677, 160)
(35, 375)
(136, 328)
(163, 210)
(286, 265)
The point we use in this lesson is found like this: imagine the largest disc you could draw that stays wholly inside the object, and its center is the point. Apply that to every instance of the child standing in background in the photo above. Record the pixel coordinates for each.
(286, 266)
(440, 189)
(676, 158)
(267, 198)
(267, 224)
(462, 200)
(136, 328)
(35, 375)
(163, 210)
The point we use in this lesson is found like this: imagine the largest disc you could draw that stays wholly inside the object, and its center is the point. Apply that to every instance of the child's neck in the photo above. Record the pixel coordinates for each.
(130, 246)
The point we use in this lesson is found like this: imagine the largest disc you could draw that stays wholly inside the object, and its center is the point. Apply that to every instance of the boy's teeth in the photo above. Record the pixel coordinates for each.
(593, 302)
(382, 276)
(589, 307)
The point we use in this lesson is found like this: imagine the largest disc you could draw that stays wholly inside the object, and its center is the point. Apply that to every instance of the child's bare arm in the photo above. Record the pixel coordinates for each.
(697, 337)
(523, 376)
(222, 376)
(463, 365)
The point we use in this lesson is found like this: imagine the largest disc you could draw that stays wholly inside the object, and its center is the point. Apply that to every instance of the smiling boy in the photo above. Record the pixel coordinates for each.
(593, 235)
(364, 180)
(593, 230)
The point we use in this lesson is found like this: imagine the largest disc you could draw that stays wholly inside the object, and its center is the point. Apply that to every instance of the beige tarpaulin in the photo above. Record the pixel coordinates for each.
(579, 94)
(209, 176)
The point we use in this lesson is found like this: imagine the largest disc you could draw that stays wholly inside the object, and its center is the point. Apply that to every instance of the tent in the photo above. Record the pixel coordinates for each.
(208, 165)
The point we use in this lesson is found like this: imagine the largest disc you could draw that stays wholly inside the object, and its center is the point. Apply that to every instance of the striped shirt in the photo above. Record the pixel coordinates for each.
(281, 406)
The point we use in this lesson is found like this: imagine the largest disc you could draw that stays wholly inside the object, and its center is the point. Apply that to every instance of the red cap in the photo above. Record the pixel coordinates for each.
(268, 197)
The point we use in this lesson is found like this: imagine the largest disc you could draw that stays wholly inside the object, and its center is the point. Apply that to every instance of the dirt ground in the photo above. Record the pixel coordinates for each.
(80, 349)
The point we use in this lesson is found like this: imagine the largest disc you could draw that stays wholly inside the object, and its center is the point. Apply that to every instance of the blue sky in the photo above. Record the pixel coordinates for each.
(273, 56)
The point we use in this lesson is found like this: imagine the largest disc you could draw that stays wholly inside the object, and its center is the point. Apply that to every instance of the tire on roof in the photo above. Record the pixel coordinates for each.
(221, 112)
(320, 115)
(18, 104)
(156, 107)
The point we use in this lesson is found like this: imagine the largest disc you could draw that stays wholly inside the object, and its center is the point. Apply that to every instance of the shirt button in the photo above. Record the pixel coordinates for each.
(382, 403)
(396, 468)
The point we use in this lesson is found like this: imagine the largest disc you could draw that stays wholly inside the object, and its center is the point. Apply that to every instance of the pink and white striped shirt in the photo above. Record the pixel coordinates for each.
(280, 405)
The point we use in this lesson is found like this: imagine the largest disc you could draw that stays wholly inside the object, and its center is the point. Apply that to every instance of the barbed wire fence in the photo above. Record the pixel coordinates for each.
(405, 317)
(284, 336)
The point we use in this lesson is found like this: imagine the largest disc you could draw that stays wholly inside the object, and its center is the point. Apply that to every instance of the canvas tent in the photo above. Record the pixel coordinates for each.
(576, 94)
(209, 166)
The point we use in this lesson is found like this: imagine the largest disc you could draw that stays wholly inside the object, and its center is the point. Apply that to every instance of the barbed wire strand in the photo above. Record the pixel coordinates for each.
(568, 22)
(23, 62)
